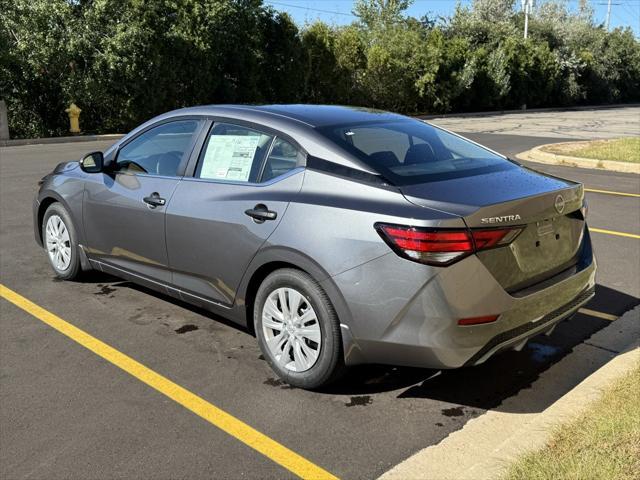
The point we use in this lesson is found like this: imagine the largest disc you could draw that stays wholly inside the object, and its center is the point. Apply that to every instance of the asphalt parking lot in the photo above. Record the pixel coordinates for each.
(67, 413)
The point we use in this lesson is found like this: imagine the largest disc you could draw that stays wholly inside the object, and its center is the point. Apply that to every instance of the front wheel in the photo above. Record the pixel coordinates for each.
(298, 329)
(60, 242)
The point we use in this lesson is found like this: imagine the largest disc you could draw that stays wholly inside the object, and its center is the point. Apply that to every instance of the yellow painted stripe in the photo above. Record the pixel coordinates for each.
(609, 192)
(214, 415)
(602, 315)
(612, 232)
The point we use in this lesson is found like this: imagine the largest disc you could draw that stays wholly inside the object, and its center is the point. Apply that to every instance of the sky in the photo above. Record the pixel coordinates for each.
(623, 12)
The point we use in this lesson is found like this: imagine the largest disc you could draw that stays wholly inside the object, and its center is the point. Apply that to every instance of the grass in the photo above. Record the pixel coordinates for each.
(603, 443)
(620, 149)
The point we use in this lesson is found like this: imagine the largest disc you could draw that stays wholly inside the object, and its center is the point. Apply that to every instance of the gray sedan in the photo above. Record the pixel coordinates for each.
(339, 236)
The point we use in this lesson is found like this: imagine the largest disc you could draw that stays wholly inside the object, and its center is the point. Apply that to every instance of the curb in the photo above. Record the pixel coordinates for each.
(538, 155)
(80, 138)
(487, 445)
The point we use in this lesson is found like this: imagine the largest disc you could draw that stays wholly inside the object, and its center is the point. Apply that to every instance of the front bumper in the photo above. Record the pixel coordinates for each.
(36, 227)
(404, 313)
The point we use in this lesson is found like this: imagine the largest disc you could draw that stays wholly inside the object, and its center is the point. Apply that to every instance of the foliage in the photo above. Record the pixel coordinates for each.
(124, 62)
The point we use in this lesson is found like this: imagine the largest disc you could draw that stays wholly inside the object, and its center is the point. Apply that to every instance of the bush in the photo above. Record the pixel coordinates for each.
(124, 62)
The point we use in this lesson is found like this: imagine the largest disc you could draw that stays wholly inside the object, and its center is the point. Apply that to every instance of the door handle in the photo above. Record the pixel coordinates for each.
(260, 213)
(154, 200)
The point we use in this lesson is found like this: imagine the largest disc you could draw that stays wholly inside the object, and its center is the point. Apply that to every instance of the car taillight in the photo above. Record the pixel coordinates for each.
(442, 247)
(494, 237)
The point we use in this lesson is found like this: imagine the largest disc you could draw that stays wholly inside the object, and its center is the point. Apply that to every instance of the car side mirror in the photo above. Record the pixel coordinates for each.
(92, 162)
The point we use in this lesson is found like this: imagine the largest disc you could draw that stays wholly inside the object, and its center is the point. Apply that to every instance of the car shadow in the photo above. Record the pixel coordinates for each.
(96, 276)
(119, 283)
(486, 386)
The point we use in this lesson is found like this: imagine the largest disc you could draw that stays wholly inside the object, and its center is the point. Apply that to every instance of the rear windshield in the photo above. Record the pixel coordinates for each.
(408, 152)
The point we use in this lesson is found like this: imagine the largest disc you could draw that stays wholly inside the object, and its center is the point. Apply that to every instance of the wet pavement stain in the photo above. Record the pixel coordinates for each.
(360, 401)
(276, 382)
(273, 382)
(140, 318)
(540, 353)
(453, 412)
(105, 290)
(186, 328)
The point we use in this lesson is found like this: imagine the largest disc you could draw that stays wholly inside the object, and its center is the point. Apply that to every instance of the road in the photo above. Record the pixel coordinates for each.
(580, 124)
(66, 413)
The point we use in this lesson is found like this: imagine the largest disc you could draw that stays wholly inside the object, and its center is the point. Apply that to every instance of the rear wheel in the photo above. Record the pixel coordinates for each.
(298, 329)
(60, 242)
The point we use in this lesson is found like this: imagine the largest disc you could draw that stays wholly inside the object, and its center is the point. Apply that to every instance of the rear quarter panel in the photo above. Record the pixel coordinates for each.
(329, 229)
(331, 220)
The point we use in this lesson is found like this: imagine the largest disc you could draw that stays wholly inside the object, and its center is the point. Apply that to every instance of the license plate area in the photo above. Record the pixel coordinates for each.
(548, 234)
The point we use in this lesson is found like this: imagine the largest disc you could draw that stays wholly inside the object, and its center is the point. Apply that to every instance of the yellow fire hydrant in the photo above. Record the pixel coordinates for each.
(74, 118)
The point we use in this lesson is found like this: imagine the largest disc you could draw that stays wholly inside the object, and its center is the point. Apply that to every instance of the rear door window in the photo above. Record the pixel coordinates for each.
(233, 153)
(282, 158)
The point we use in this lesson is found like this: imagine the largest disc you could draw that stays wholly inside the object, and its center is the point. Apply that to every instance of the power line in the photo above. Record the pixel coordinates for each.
(623, 3)
(628, 10)
(312, 9)
(623, 21)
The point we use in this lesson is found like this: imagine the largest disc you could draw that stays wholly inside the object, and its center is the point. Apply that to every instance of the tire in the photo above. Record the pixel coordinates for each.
(59, 235)
(307, 363)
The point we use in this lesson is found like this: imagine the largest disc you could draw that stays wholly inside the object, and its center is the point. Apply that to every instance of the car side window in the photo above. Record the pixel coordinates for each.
(159, 150)
(234, 153)
(282, 158)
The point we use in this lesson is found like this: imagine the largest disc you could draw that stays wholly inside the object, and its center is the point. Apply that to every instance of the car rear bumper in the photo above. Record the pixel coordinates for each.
(404, 313)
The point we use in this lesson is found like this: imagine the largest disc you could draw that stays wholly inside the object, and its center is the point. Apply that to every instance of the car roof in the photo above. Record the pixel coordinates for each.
(324, 115)
(309, 115)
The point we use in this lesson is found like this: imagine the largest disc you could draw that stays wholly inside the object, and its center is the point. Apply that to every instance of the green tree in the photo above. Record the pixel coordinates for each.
(126, 61)
(380, 13)
(34, 64)
(332, 58)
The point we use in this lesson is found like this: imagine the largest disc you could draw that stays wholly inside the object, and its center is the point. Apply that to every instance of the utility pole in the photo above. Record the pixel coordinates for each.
(526, 6)
(608, 15)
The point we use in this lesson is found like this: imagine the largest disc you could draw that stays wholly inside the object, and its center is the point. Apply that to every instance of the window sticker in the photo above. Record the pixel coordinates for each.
(229, 157)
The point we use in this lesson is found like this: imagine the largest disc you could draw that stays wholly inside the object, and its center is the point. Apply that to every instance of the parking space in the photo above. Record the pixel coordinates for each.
(66, 412)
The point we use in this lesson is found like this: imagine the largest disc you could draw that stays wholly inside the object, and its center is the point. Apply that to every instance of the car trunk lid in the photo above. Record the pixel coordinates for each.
(547, 208)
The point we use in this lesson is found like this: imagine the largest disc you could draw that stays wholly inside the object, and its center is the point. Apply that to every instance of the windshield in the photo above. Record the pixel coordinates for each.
(411, 151)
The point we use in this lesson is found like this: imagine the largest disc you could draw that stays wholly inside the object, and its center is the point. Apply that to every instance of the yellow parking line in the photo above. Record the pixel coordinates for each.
(214, 415)
(609, 192)
(612, 232)
(602, 315)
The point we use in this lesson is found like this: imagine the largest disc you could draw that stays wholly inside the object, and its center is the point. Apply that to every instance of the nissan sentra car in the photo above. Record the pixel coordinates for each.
(338, 235)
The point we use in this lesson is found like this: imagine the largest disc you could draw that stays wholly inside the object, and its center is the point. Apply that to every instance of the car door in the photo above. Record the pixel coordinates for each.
(220, 217)
(124, 207)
